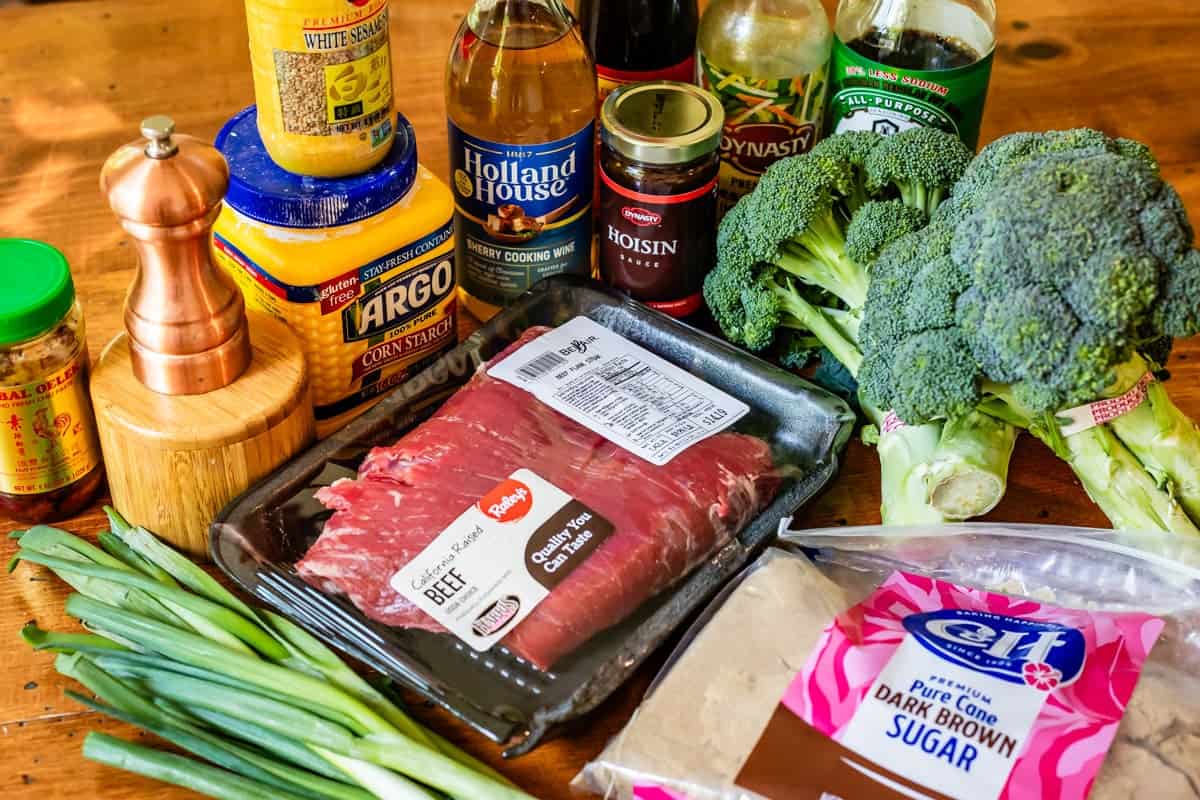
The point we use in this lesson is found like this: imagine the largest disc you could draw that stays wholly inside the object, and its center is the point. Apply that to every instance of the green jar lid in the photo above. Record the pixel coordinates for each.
(37, 289)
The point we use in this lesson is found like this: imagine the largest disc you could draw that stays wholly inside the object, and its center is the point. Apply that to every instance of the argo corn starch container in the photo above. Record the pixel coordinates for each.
(361, 268)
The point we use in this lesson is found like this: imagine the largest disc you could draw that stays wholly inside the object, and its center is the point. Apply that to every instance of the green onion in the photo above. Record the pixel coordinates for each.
(57, 642)
(284, 747)
(173, 652)
(378, 780)
(177, 565)
(116, 548)
(234, 757)
(177, 770)
(232, 622)
(198, 651)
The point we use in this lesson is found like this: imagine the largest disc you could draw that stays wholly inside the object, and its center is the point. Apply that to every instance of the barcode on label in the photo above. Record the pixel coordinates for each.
(541, 365)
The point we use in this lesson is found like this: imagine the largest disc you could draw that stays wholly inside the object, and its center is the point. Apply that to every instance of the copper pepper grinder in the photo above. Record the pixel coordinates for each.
(197, 399)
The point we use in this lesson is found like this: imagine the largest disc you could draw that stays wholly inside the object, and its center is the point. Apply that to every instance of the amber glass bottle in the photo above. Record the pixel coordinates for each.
(521, 101)
(640, 40)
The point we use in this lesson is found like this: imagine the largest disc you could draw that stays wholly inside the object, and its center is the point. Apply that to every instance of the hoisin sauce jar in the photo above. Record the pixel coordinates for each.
(659, 161)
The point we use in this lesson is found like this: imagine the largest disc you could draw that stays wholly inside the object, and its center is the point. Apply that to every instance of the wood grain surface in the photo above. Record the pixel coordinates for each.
(79, 76)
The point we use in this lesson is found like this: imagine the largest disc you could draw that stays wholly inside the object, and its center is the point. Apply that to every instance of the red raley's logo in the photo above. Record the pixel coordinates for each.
(640, 216)
(508, 502)
(754, 146)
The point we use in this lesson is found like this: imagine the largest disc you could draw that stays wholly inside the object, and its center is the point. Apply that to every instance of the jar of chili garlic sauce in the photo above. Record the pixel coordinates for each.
(361, 268)
(50, 466)
(658, 192)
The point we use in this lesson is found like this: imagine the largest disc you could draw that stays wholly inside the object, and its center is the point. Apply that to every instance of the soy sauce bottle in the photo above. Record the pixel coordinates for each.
(901, 64)
(639, 40)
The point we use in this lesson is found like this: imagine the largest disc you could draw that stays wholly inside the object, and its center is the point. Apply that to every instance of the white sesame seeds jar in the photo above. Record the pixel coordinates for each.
(323, 83)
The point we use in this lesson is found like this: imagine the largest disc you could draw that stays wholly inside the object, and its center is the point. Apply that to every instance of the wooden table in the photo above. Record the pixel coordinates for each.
(79, 76)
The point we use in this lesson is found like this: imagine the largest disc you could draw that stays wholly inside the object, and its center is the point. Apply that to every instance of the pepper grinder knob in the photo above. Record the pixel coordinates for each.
(158, 130)
(185, 317)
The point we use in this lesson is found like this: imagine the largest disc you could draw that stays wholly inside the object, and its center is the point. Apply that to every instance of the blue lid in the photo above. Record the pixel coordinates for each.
(262, 190)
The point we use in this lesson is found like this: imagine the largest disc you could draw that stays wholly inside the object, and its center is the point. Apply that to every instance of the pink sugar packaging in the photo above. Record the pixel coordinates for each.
(964, 662)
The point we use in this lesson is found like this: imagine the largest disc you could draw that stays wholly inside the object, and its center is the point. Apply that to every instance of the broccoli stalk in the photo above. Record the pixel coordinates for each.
(969, 471)
(1163, 439)
(1113, 477)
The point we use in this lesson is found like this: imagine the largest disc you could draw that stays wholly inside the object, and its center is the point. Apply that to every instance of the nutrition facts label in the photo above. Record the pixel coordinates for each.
(620, 390)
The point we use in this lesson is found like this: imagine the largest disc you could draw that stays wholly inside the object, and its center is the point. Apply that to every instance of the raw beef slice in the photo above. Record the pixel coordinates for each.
(666, 519)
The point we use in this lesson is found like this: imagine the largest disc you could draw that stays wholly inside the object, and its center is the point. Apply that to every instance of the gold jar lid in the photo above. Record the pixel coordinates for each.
(662, 122)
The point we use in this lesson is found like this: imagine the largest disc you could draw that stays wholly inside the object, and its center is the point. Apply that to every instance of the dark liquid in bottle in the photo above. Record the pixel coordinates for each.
(639, 35)
(919, 50)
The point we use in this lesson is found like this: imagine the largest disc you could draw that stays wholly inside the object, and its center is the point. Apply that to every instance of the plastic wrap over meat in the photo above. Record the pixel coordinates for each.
(666, 519)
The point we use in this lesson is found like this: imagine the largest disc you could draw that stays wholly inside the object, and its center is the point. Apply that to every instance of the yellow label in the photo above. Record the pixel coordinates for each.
(358, 88)
(47, 438)
(363, 331)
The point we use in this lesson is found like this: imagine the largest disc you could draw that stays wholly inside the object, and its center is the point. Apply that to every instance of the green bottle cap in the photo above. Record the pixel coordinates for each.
(36, 290)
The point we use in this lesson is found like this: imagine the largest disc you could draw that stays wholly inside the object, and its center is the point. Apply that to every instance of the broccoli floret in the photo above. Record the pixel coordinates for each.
(922, 164)
(734, 270)
(845, 157)
(877, 224)
(795, 349)
(1014, 150)
(792, 221)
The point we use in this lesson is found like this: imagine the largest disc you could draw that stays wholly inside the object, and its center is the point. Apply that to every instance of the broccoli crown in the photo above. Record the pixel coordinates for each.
(1074, 256)
(1016, 149)
(877, 224)
(921, 163)
(915, 360)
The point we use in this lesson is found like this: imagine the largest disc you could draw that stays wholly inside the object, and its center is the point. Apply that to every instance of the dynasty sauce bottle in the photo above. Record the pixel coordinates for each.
(521, 102)
(766, 61)
(901, 64)
(640, 40)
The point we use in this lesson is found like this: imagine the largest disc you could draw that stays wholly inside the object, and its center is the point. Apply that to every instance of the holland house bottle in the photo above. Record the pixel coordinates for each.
(521, 102)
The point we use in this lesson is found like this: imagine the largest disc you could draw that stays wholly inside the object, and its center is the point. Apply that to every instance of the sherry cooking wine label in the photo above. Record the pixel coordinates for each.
(522, 212)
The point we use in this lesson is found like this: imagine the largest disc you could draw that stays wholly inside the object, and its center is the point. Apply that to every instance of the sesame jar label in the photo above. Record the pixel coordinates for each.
(522, 212)
(47, 440)
(340, 83)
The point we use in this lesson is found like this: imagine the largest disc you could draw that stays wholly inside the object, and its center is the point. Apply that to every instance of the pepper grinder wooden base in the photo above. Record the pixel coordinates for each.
(174, 461)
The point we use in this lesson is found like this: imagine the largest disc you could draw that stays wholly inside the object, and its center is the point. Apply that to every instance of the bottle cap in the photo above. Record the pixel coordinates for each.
(262, 190)
(662, 122)
(38, 290)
